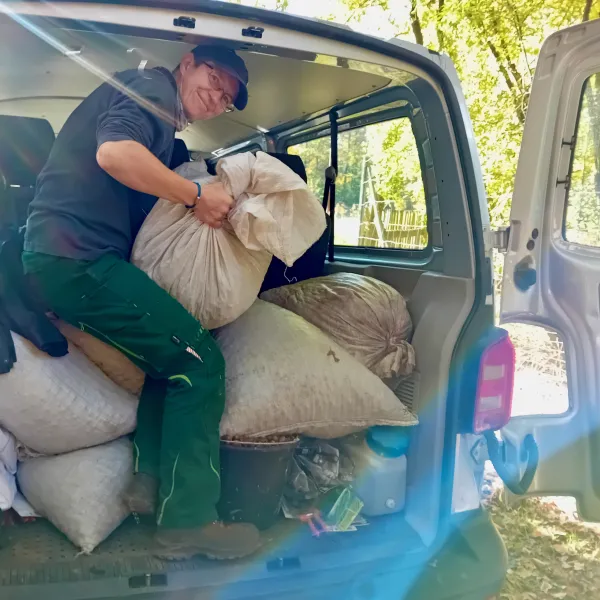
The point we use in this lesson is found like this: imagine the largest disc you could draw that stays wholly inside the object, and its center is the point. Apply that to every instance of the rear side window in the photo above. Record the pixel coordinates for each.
(582, 219)
(380, 197)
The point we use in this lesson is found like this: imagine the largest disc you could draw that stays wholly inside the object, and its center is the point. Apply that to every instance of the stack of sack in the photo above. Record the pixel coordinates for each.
(72, 418)
(308, 361)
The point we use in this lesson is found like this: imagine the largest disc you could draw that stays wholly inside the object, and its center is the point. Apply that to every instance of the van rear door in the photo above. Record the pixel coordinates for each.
(552, 265)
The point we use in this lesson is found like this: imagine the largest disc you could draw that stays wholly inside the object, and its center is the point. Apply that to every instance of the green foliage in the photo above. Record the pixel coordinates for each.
(379, 180)
(494, 45)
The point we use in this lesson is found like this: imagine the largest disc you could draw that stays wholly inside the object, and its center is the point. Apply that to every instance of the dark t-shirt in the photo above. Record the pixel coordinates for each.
(79, 211)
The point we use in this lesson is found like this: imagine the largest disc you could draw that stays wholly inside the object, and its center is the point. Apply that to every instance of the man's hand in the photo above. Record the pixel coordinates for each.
(213, 205)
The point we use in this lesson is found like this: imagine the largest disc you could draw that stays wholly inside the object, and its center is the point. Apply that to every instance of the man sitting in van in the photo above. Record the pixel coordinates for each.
(104, 174)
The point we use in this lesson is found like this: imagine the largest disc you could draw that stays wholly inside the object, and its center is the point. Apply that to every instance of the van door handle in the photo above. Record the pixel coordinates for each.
(510, 473)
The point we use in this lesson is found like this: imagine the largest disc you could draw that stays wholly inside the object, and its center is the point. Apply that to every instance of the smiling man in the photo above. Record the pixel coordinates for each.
(104, 174)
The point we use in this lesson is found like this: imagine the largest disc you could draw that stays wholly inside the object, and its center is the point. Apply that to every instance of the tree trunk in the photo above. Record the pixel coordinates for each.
(416, 23)
(438, 25)
(586, 10)
(515, 92)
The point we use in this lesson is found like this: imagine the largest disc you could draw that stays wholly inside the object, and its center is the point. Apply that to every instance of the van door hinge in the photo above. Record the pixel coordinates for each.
(498, 238)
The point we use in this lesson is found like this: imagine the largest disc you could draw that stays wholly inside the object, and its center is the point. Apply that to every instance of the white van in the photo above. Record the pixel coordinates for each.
(318, 90)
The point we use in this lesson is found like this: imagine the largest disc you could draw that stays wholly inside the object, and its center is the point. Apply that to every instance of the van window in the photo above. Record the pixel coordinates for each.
(582, 217)
(380, 198)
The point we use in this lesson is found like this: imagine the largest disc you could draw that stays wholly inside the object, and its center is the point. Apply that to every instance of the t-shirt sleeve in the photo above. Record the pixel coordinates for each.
(143, 112)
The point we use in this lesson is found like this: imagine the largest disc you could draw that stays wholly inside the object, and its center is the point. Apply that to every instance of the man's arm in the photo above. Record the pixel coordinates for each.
(133, 165)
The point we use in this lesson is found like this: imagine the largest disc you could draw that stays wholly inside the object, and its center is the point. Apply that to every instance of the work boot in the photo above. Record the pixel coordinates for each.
(141, 496)
(215, 540)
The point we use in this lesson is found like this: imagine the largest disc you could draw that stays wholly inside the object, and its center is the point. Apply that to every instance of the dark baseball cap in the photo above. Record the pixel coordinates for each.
(229, 61)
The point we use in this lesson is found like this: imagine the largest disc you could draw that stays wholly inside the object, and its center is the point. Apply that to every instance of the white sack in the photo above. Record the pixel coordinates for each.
(55, 405)
(8, 451)
(285, 376)
(23, 508)
(217, 273)
(365, 316)
(81, 492)
(8, 488)
(114, 364)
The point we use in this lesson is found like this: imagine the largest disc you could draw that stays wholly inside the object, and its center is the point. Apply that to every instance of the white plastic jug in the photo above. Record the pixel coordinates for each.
(380, 467)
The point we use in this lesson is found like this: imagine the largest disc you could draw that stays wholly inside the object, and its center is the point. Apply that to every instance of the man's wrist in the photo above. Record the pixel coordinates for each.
(197, 197)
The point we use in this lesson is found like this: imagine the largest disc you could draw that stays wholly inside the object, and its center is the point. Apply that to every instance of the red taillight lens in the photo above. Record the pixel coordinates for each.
(493, 402)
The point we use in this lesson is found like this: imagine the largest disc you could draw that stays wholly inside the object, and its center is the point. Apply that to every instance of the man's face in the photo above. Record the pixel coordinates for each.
(206, 90)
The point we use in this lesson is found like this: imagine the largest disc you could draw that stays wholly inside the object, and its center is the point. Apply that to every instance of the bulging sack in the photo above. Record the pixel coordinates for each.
(81, 492)
(55, 405)
(113, 363)
(217, 273)
(365, 316)
(285, 376)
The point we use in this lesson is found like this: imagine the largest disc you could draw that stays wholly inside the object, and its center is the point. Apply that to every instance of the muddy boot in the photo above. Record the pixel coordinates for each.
(141, 496)
(216, 540)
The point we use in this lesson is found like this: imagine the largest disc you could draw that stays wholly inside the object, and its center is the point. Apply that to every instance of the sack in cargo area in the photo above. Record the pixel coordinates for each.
(217, 273)
(56, 405)
(81, 492)
(8, 468)
(113, 363)
(365, 316)
(285, 376)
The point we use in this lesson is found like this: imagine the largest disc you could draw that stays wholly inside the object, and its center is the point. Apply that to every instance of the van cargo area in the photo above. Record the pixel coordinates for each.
(311, 83)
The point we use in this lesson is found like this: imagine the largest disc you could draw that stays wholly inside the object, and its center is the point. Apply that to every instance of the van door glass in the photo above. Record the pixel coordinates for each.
(582, 220)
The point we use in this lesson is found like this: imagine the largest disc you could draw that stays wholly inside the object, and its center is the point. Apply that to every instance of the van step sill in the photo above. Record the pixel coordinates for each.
(36, 553)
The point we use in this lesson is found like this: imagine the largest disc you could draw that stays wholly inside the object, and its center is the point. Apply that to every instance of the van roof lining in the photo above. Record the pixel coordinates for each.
(282, 89)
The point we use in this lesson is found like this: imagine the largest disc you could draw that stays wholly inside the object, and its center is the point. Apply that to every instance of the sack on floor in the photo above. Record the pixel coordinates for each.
(8, 451)
(55, 405)
(8, 468)
(365, 316)
(8, 488)
(285, 376)
(217, 273)
(114, 364)
(81, 492)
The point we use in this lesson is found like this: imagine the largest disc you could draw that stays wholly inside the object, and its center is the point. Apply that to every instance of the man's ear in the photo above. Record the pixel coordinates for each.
(186, 62)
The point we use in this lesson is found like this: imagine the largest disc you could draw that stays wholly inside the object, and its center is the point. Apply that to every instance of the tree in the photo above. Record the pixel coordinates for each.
(494, 45)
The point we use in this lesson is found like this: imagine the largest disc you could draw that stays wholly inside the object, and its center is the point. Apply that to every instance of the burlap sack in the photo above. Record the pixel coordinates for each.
(365, 316)
(81, 492)
(55, 405)
(217, 273)
(109, 360)
(285, 376)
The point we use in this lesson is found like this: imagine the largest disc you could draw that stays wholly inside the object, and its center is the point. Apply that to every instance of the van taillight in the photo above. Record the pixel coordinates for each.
(493, 401)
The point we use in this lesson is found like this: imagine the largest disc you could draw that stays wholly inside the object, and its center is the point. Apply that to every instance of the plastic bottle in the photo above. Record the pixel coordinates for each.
(380, 467)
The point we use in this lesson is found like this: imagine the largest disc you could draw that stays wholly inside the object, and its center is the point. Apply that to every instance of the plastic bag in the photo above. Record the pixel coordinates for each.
(317, 468)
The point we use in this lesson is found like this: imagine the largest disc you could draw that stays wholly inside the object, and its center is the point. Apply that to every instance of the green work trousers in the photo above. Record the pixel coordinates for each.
(177, 437)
